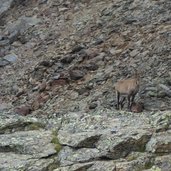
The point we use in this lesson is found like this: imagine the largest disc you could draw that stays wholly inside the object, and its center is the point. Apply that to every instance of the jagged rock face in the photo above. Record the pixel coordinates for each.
(25, 145)
(59, 61)
(78, 141)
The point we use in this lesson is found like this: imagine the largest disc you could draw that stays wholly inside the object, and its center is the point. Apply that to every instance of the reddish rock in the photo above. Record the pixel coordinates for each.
(76, 74)
(42, 87)
(23, 110)
(59, 82)
(35, 105)
(91, 53)
(137, 107)
(45, 96)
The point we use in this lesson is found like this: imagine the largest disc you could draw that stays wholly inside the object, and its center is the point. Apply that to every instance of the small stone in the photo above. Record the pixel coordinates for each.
(62, 9)
(3, 106)
(45, 63)
(67, 59)
(20, 92)
(42, 2)
(134, 53)
(35, 105)
(75, 108)
(112, 51)
(92, 105)
(91, 66)
(4, 42)
(161, 94)
(73, 95)
(76, 74)
(2, 52)
(114, 130)
(35, 88)
(98, 42)
(11, 58)
(16, 44)
(82, 90)
(23, 110)
(166, 90)
(77, 49)
(56, 77)
(42, 87)
(91, 53)
(13, 36)
(3, 63)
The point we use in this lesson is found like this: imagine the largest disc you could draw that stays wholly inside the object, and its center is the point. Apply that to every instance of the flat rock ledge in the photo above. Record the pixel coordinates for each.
(25, 144)
(119, 141)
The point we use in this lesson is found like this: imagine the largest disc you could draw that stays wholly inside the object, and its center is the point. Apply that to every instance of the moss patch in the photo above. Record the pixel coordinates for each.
(53, 166)
(55, 141)
(131, 158)
(35, 126)
(148, 165)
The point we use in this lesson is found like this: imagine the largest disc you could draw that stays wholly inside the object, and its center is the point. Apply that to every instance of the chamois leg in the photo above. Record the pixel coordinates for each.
(122, 102)
(129, 101)
(132, 99)
(117, 100)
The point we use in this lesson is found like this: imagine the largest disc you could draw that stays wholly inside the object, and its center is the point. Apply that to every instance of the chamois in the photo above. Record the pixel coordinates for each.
(128, 88)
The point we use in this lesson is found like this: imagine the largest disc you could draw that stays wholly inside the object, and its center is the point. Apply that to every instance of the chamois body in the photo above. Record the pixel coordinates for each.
(126, 88)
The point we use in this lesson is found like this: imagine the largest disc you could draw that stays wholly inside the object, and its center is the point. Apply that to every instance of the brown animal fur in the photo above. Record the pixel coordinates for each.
(129, 88)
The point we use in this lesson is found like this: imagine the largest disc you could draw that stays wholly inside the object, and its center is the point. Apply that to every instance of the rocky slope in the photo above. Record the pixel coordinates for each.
(58, 63)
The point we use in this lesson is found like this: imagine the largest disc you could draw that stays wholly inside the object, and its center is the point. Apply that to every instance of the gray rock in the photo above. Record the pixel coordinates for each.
(77, 48)
(94, 133)
(5, 6)
(91, 66)
(79, 140)
(15, 162)
(103, 166)
(72, 95)
(10, 58)
(68, 59)
(3, 63)
(134, 162)
(163, 162)
(76, 74)
(92, 105)
(81, 167)
(4, 42)
(25, 145)
(35, 143)
(161, 121)
(166, 89)
(68, 156)
(160, 143)
(12, 124)
(13, 36)
(21, 25)
(134, 53)
(42, 1)
(122, 143)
